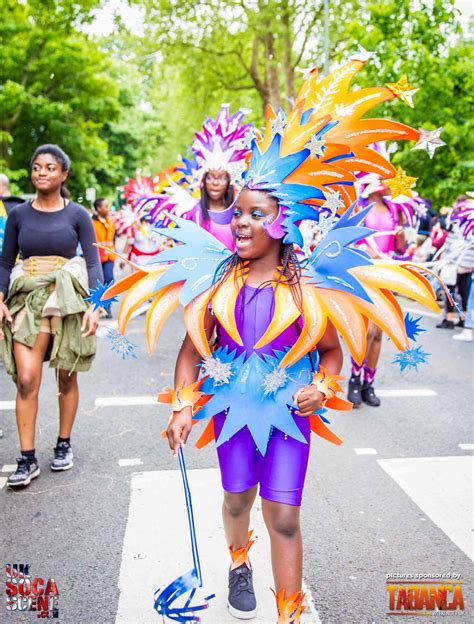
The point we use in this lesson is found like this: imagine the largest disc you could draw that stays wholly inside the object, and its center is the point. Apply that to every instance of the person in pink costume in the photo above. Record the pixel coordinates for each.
(217, 194)
(384, 217)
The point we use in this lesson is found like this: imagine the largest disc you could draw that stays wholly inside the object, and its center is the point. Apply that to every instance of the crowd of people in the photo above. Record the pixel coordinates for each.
(50, 263)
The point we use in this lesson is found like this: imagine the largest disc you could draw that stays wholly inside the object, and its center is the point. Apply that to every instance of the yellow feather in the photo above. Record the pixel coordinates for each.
(286, 313)
(164, 303)
(194, 314)
(313, 329)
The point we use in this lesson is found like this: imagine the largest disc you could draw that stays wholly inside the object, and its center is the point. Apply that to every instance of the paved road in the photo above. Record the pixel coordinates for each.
(394, 498)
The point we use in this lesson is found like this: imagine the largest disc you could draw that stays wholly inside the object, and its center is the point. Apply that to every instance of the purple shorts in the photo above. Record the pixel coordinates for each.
(280, 473)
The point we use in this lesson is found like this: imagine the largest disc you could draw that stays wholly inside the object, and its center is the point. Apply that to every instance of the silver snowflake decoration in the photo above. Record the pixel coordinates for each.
(120, 345)
(278, 125)
(324, 225)
(316, 147)
(429, 140)
(333, 201)
(220, 372)
(274, 380)
(249, 137)
(236, 170)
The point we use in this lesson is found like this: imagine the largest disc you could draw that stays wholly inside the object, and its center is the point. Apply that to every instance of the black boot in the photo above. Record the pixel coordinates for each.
(369, 396)
(354, 391)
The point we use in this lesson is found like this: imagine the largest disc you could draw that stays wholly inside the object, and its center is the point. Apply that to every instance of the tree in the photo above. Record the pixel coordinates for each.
(61, 86)
(248, 52)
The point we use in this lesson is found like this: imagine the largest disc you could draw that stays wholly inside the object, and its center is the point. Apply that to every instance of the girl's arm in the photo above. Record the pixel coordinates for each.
(309, 399)
(186, 372)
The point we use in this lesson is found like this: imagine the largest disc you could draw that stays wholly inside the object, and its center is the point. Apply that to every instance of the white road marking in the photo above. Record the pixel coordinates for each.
(122, 401)
(152, 400)
(406, 392)
(130, 462)
(3, 481)
(7, 405)
(157, 549)
(365, 451)
(466, 447)
(421, 312)
(9, 468)
(442, 488)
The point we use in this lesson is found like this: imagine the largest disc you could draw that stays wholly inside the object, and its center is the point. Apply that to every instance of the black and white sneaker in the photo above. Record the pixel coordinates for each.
(26, 471)
(241, 602)
(62, 457)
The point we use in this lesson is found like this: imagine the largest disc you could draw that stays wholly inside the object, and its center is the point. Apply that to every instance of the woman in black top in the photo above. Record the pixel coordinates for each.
(45, 233)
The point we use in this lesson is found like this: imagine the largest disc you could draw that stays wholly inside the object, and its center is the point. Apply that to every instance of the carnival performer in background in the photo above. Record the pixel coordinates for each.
(387, 218)
(43, 312)
(105, 234)
(7, 202)
(458, 258)
(387, 221)
(276, 359)
(219, 153)
(134, 219)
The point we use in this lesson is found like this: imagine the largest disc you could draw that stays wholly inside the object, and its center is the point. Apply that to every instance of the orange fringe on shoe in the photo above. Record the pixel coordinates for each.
(289, 609)
(240, 556)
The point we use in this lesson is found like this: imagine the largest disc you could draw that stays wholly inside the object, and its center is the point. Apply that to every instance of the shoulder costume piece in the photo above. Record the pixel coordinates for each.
(308, 161)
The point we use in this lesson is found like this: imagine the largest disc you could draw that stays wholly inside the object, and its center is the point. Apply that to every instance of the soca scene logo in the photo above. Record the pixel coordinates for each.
(27, 593)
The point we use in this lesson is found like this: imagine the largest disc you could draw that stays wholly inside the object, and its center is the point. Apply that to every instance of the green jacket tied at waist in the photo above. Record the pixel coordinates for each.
(69, 351)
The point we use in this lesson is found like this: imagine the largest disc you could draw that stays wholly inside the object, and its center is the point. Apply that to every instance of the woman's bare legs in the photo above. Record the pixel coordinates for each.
(29, 364)
(68, 401)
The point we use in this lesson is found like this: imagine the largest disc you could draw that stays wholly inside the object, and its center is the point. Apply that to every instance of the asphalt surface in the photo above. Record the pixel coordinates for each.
(358, 524)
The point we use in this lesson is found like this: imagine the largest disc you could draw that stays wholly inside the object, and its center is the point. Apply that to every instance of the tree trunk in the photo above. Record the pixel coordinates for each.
(288, 47)
(271, 73)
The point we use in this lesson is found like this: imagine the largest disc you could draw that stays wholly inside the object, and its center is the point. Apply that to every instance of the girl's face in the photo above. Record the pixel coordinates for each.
(252, 210)
(47, 174)
(216, 183)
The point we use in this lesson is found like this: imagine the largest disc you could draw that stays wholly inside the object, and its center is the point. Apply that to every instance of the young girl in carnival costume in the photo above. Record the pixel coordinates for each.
(263, 329)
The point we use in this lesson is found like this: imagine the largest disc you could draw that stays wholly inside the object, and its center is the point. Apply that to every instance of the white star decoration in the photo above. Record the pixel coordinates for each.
(361, 55)
(236, 170)
(324, 224)
(278, 125)
(333, 201)
(306, 71)
(316, 147)
(249, 137)
(429, 140)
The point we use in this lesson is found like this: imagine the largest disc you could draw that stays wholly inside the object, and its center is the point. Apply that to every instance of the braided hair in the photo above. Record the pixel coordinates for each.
(290, 271)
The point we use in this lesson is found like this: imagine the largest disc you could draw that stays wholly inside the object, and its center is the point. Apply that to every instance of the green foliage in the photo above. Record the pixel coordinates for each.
(60, 86)
(204, 57)
(135, 99)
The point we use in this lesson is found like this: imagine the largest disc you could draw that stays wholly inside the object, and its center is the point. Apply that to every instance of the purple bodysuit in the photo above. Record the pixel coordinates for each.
(281, 472)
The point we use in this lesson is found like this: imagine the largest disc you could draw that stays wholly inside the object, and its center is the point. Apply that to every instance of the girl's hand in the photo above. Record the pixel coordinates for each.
(179, 427)
(308, 400)
(90, 322)
(4, 313)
